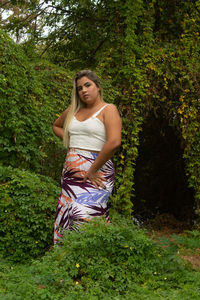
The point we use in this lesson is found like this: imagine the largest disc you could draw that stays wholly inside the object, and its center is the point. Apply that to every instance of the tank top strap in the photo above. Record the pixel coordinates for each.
(98, 112)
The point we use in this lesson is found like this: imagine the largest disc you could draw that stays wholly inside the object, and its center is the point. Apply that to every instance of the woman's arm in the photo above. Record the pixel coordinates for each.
(59, 123)
(113, 125)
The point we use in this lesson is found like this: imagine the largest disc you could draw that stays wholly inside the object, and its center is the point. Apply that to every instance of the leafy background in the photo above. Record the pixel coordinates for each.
(146, 54)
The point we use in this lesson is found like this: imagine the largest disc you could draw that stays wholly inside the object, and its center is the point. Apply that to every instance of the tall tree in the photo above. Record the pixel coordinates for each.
(69, 30)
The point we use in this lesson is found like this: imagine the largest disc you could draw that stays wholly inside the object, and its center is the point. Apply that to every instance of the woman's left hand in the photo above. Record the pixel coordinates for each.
(95, 178)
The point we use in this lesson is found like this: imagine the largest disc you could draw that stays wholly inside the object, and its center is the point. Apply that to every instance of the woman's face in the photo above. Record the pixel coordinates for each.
(87, 90)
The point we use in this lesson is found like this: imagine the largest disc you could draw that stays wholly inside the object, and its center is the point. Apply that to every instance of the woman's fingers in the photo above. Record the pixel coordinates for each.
(96, 179)
(98, 184)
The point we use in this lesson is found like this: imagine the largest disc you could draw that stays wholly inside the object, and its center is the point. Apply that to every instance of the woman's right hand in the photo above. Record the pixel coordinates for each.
(95, 178)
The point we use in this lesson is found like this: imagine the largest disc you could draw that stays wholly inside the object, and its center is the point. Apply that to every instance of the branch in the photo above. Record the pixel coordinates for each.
(52, 41)
(97, 48)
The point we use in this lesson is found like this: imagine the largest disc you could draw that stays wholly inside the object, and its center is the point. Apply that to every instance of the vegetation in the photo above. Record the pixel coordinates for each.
(147, 56)
(103, 261)
(28, 204)
(147, 50)
(30, 96)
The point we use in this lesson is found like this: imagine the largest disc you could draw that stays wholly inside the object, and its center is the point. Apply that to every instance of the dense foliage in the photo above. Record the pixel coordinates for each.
(146, 53)
(31, 96)
(104, 261)
(147, 49)
(158, 69)
(27, 209)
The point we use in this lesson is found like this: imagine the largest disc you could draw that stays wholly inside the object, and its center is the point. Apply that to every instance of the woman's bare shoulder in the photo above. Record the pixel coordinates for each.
(111, 114)
(111, 108)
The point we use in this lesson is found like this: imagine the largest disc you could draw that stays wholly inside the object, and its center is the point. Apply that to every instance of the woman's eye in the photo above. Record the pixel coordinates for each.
(87, 84)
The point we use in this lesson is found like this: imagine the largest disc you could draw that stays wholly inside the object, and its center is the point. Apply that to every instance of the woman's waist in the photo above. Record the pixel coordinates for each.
(83, 150)
(88, 144)
(88, 156)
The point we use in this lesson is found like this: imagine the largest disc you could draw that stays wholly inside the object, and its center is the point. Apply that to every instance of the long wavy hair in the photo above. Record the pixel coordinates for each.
(76, 102)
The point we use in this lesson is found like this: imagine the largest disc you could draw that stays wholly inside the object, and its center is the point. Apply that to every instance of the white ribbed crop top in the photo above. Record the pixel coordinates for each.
(89, 134)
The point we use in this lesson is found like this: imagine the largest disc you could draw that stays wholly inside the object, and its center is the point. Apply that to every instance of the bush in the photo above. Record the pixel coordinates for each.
(27, 209)
(103, 261)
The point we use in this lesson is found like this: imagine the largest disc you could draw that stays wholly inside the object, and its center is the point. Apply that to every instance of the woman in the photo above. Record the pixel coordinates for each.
(91, 128)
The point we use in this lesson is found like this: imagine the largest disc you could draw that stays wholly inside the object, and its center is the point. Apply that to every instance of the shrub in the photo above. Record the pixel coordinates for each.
(27, 208)
(103, 261)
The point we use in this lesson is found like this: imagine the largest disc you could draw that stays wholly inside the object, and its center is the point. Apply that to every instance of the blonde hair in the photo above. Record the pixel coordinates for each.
(76, 102)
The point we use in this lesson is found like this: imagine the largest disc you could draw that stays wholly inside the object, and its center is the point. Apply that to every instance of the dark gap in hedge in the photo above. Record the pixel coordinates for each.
(161, 185)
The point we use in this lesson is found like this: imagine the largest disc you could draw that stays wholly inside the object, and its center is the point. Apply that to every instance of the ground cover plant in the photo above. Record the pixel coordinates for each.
(185, 244)
(103, 261)
(190, 240)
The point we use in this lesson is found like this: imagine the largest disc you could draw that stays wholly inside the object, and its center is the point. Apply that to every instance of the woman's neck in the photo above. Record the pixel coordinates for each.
(94, 105)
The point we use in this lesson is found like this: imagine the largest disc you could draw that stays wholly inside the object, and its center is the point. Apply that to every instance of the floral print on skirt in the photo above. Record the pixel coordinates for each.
(80, 201)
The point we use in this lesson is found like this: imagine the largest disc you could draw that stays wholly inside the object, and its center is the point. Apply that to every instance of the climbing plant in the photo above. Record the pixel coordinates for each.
(146, 53)
(154, 62)
(31, 96)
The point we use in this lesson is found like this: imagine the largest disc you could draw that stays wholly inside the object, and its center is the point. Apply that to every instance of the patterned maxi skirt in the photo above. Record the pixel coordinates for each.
(79, 201)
